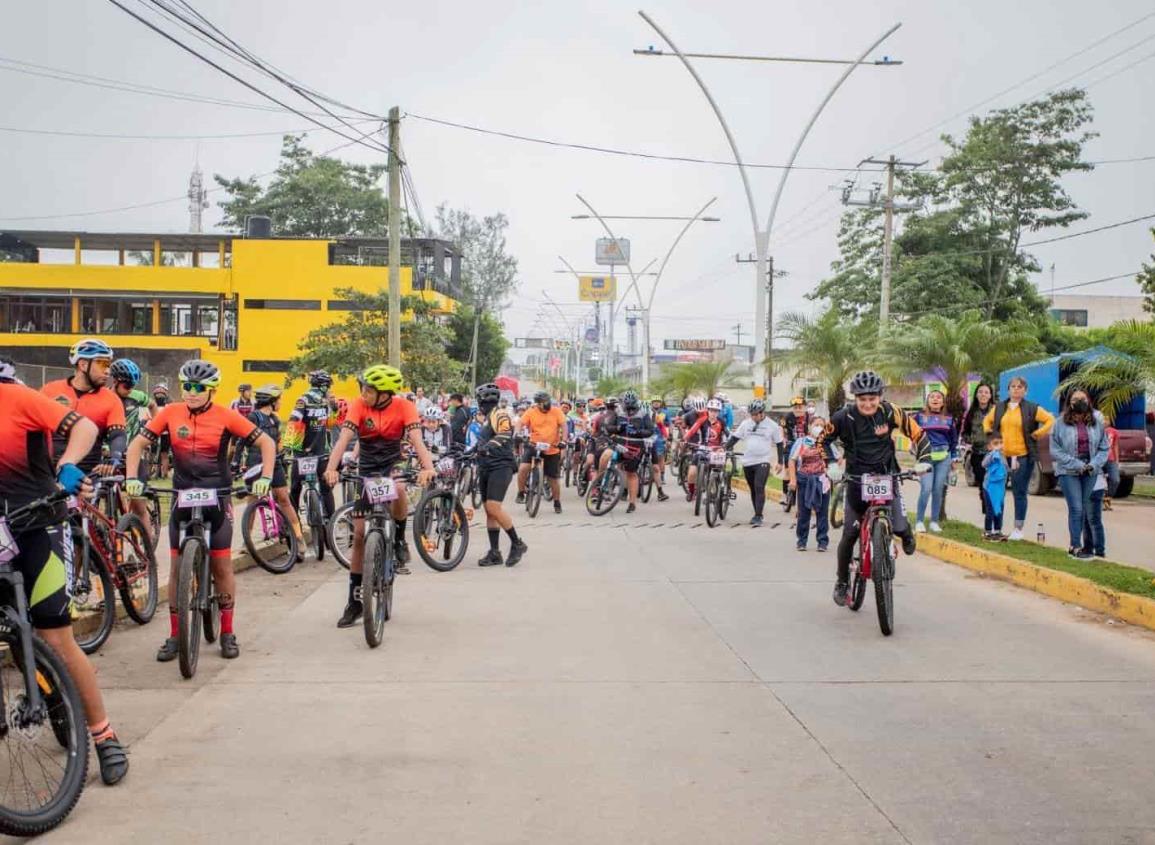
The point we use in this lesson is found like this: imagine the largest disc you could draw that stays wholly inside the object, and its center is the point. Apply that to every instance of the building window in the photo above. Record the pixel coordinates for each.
(284, 304)
(190, 318)
(115, 316)
(48, 314)
(342, 305)
(229, 335)
(1070, 316)
(265, 366)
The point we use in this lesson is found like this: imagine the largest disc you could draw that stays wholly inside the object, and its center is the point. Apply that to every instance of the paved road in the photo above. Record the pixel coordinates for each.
(639, 683)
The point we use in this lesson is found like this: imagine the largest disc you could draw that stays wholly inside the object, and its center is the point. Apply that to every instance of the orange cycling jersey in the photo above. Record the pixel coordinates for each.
(380, 431)
(29, 419)
(545, 426)
(101, 405)
(200, 442)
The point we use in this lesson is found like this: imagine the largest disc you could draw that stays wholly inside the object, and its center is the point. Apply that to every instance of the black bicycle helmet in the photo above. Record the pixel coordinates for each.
(320, 378)
(487, 394)
(611, 401)
(866, 381)
(241, 388)
(630, 401)
(540, 397)
(758, 406)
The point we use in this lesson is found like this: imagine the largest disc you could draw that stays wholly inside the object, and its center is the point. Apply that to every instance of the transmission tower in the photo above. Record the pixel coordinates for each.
(197, 199)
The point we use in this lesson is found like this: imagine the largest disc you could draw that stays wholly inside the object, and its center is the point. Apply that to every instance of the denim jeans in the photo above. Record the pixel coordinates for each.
(932, 487)
(822, 516)
(1020, 478)
(1112, 469)
(1077, 491)
(1094, 535)
(990, 521)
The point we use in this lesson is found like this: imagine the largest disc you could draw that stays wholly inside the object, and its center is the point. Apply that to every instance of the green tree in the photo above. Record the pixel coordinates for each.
(1146, 280)
(954, 348)
(827, 349)
(492, 343)
(362, 338)
(311, 196)
(611, 386)
(1120, 375)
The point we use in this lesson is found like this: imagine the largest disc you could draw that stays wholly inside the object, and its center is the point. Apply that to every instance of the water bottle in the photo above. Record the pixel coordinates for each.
(953, 478)
(1040, 535)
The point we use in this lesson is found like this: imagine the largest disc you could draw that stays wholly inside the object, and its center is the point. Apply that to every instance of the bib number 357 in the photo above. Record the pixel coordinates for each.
(877, 488)
(380, 491)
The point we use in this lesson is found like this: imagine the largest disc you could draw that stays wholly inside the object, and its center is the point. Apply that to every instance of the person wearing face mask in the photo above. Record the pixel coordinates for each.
(1079, 451)
(1022, 424)
(973, 436)
(807, 468)
(940, 428)
(496, 464)
(543, 423)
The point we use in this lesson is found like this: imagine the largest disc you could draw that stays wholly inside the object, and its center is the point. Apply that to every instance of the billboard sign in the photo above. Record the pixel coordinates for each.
(591, 335)
(612, 251)
(532, 343)
(694, 344)
(597, 288)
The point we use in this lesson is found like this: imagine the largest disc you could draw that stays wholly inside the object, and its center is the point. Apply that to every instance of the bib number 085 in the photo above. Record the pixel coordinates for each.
(877, 488)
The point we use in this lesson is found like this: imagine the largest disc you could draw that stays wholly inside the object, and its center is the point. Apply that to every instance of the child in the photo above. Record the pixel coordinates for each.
(806, 469)
(994, 488)
(435, 431)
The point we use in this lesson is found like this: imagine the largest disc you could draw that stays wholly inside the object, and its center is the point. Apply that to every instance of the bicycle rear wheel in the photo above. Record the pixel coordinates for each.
(856, 589)
(882, 566)
(189, 618)
(93, 598)
(533, 492)
(316, 522)
(268, 536)
(155, 526)
(341, 534)
(440, 530)
(43, 756)
(377, 586)
(137, 569)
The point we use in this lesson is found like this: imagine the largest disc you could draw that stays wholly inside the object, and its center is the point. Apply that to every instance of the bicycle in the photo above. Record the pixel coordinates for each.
(109, 497)
(717, 489)
(198, 608)
(440, 521)
(536, 487)
(312, 511)
(266, 530)
(109, 556)
(42, 722)
(646, 473)
(380, 565)
(837, 503)
(340, 528)
(875, 552)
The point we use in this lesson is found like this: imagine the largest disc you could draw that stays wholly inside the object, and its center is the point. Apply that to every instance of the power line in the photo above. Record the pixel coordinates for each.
(128, 137)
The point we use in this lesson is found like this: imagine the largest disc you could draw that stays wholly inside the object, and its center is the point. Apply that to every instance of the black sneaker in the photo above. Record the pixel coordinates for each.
(756, 521)
(521, 498)
(631, 507)
(799, 547)
(662, 497)
(168, 651)
(840, 590)
(556, 506)
(229, 647)
(516, 553)
(353, 612)
(1079, 554)
(908, 543)
(492, 558)
(401, 553)
(113, 760)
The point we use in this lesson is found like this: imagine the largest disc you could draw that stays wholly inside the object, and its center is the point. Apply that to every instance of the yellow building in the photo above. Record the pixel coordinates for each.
(243, 303)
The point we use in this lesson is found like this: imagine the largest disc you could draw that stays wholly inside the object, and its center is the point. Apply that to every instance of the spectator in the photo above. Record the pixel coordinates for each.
(458, 418)
(1094, 535)
(993, 488)
(807, 473)
(940, 428)
(1079, 453)
(973, 435)
(1021, 423)
(420, 400)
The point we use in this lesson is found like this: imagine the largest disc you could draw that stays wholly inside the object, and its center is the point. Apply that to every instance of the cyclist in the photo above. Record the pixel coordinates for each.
(661, 439)
(200, 432)
(164, 447)
(634, 423)
(435, 431)
(865, 428)
(307, 435)
(707, 432)
(544, 424)
(266, 405)
(243, 404)
(495, 470)
(28, 426)
(762, 436)
(381, 420)
(85, 393)
(125, 375)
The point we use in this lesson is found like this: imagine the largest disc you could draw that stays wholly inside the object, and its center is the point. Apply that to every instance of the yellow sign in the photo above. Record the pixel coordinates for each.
(597, 288)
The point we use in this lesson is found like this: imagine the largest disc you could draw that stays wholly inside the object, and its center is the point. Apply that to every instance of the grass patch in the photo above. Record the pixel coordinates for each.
(1145, 487)
(1116, 576)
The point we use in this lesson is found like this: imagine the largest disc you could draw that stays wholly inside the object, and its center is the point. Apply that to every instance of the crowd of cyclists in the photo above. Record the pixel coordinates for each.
(97, 425)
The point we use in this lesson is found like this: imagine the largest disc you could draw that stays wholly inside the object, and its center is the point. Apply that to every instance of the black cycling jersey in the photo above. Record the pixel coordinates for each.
(311, 416)
(869, 442)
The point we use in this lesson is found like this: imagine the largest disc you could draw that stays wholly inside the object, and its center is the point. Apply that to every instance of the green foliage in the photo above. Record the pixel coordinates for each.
(488, 272)
(1057, 339)
(828, 349)
(954, 347)
(492, 343)
(1146, 280)
(705, 377)
(1116, 378)
(561, 388)
(611, 386)
(311, 196)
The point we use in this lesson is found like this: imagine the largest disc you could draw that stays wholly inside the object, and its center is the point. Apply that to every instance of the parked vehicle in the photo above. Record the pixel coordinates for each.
(1043, 380)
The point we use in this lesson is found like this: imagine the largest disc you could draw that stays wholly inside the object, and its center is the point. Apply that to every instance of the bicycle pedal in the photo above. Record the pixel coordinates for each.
(733, 497)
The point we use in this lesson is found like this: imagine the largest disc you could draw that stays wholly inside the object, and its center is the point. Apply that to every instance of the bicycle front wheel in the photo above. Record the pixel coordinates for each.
(882, 566)
(93, 599)
(533, 492)
(316, 523)
(189, 618)
(440, 530)
(137, 569)
(646, 481)
(44, 760)
(376, 587)
(605, 492)
(712, 499)
(341, 534)
(268, 537)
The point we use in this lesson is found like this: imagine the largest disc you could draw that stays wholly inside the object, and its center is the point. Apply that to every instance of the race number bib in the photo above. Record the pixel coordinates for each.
(542, 447)
(196, 498)
(253, 473)
(8, 547)
(307, 466)
(717, 458)
(445, 466)
(380, 491)
(877, 488)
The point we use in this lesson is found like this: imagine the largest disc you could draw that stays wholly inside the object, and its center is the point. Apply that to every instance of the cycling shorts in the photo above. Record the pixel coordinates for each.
(45, 561)
(494, 483)
(659, 447)
(363, 506)
(219, 525)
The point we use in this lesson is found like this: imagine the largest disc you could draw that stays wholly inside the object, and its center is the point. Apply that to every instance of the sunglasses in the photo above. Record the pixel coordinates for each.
(194, 387)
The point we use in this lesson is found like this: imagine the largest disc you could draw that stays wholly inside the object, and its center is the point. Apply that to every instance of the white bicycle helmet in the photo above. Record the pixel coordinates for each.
(698, 404)
(713, 405)
(432, 412)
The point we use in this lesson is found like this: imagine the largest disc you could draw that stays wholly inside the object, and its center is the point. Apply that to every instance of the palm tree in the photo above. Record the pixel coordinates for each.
(611, 386)
(827, 349)
(698, 377)
(1118, 376)
(954, 348)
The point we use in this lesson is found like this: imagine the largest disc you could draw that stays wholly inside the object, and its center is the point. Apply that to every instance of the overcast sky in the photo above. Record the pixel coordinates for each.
(565, 71)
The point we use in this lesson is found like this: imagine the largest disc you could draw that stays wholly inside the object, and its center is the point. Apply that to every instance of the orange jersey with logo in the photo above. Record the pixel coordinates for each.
(200, 442)
(102, 406)
(545, 426)
(28, 423)
(380, 431)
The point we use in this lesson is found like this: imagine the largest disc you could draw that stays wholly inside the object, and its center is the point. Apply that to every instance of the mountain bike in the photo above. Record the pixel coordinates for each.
(379, 563)
(646, 473)
(608, 486)
(875, 551)
(716, 491)
(340, 528)
(266, 530)
(43, 731)
(312, 503)
(440, 520)
(536, 487)
(110, 499)
(109, 556)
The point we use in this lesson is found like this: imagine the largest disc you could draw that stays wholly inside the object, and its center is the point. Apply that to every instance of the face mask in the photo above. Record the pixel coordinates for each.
(1081, 406)
(545, 406)
(816, 430)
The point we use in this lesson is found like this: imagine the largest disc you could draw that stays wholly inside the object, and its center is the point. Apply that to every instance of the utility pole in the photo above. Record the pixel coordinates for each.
(738, 331)
(395, 239)
(889, 208)
(768, 372)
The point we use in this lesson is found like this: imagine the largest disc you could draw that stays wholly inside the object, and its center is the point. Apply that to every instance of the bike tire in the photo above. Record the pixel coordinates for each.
(373, 599)
(699, 492)
(434, 509)
(137, 564)
(189, 620)
(533, 493)
(788, 500)
(155, 525)
(646, 482)
(838, 505)
(340, 531)
(712, 497)
(66, 735)
(276, 564)
(210, 610)
(882, 571)
(316, 523)
(97, 613)
(475, 491)
(568, 471)
(605, 492)
(723, 498)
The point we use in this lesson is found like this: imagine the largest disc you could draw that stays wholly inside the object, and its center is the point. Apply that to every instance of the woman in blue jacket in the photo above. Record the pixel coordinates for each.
(943, 433)
(1078, 451)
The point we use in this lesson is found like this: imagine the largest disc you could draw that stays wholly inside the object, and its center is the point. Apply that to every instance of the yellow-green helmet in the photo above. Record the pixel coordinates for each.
(383, 377)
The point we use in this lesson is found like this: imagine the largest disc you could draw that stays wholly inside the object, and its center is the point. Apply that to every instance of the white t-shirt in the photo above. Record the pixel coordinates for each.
(760, 441)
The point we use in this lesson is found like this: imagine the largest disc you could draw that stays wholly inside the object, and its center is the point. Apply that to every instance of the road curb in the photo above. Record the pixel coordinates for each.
(1137, 610)
(739, 483)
